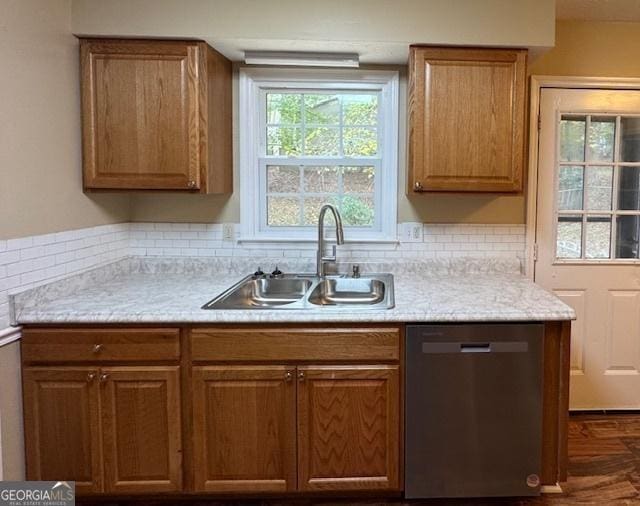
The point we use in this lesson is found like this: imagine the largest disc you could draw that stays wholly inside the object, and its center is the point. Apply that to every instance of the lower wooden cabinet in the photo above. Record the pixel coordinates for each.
(348, 427)
(61, 425)
(141, 429)
(246, 434)
(110, 429)
(244, 428)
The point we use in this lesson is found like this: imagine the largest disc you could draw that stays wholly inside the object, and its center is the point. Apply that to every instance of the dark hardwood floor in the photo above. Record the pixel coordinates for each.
(604, 469)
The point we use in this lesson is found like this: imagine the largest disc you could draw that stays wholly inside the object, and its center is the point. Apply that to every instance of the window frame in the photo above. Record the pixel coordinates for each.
(254, 82)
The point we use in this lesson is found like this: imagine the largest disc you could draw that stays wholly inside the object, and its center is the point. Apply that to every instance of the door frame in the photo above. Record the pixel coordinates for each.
(537, 84)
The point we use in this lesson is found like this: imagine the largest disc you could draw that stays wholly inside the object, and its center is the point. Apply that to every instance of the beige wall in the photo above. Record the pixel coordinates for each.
(11, 432)
(587, 48)
(40, 160)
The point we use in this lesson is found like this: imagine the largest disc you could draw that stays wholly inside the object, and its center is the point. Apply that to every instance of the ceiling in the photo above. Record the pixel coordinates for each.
(598, 10)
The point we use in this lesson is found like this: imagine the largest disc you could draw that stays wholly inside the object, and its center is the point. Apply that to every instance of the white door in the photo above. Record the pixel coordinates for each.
(588, 236)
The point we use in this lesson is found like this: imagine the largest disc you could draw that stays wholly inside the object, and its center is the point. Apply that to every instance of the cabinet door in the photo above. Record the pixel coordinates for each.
(61, 424)
(244, 428)
(466, 119)
(348, 427)
(140, 114)
(141, 429)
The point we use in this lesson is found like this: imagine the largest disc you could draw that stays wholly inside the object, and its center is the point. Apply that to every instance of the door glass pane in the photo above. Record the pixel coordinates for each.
(629, 188)
(599, 184)
(598, 237)
(572, 138)
(627, 236)
(630, 139)
(601, 138)
(570, 187)
(569, 241)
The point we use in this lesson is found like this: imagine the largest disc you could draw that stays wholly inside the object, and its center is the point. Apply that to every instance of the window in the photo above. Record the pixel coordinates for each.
(598, 187)
(310, 137)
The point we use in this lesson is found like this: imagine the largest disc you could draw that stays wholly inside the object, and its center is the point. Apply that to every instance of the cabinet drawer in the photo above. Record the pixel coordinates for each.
(286, 344)
(100, 345)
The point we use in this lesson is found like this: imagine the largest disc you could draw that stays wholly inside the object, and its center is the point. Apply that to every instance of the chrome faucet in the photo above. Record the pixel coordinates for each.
(321, 259)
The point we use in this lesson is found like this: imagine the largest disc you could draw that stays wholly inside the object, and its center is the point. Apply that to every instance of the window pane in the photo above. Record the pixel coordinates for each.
(312, 207)
(360, 109)
(322, 109)
(321, 179)
(629, 188)
(360, 141)
(283, 211)
(569, 242)
(572, 139)
(357, 211)
(284, 108)
(601, 139)
(570, 187)
(358, 179)
(322, 141)
(630, 139)
(627, 236)
(284, 141)
(599, 183)
(283, 179)
(598, 239)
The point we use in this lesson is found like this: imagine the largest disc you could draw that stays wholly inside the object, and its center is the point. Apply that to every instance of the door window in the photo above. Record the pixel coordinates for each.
(598, 187)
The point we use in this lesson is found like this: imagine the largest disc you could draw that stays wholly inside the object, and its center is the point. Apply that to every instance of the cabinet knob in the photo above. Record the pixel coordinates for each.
(191, 184)
(288, 376)
(104, 377)
(97, 348)
(417, 186)
(301, 376)
(91, 376)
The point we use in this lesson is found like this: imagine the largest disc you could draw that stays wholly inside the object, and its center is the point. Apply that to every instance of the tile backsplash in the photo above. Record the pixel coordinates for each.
(31, 261)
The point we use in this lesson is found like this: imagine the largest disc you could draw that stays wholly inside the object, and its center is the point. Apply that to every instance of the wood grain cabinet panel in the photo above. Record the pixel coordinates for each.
(466, 119)
(99, 345)
(348, 427)
(61, 421)
(244, 428)
(156, 116)
(141, 429)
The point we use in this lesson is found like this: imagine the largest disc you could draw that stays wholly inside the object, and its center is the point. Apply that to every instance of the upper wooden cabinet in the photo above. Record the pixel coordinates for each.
(466, 119)
(156, 115)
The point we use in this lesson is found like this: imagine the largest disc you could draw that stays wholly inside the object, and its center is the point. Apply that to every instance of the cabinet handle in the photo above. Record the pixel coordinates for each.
(301, 376)
(191, 184)
(104, 377)
(97, 348)
(417, 186)
(288, 376)
(91, 376)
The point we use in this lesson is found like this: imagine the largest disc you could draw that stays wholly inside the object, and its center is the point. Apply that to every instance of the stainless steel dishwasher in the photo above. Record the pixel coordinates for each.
(473, 417)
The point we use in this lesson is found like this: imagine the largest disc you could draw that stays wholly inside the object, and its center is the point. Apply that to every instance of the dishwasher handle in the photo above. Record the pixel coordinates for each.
(450, 347)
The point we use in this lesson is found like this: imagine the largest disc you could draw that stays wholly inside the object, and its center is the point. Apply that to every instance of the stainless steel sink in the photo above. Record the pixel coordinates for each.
(351, 291)
(308, 291)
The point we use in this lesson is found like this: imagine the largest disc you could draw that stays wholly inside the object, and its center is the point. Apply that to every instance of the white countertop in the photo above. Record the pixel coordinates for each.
(173, 290)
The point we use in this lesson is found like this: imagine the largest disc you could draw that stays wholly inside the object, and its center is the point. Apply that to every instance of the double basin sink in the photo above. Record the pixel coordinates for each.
(308, 291)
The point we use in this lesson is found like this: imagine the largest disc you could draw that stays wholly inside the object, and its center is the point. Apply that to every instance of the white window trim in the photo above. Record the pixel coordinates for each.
(251, 81)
